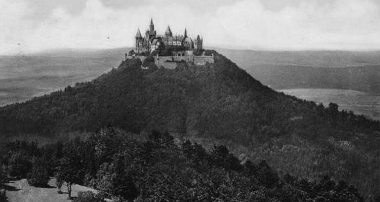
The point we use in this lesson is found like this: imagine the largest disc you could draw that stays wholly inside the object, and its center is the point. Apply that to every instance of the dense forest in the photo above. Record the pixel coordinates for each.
(156, 168)
(216, 103)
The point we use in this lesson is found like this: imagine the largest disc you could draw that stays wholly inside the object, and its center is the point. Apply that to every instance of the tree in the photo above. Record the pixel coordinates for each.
(88, 196)
(123, 183)
(38, 176)
(71, 169)
(2, 175)
(2, 178)
(19, 165)
(266, 175)
(115, 181)
(58, 183)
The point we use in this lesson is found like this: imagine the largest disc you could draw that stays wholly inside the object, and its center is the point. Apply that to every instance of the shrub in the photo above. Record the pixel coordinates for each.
(3, 195)
(88, 196)
(38, 176)
(19, 165)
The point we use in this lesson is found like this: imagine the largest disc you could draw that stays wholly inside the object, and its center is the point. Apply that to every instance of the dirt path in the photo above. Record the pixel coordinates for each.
(20, 191)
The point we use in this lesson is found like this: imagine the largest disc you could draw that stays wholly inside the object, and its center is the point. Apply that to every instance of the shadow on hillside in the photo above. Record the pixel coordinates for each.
(10, 188)
(3, 197)
(45, 186)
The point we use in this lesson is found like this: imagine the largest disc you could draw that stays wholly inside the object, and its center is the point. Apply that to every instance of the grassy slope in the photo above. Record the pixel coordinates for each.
(21, 191)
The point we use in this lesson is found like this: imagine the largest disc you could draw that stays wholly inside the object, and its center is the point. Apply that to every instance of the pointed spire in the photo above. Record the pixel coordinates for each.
(185, 33)
(138, 34)
(151, 26)
(168, 31)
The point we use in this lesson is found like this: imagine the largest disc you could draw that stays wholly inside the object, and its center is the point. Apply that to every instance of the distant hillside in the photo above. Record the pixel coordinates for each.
(312, 69)
(214, 103)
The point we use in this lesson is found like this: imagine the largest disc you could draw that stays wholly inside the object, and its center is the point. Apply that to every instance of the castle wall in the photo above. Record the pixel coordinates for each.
(202, 60)
(170, 62)
(169, 65)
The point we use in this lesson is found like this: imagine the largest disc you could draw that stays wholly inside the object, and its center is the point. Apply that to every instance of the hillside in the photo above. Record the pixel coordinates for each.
(214, 103)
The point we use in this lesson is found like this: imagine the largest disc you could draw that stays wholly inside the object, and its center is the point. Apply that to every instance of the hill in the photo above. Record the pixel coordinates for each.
(213, 103)
(312, 69)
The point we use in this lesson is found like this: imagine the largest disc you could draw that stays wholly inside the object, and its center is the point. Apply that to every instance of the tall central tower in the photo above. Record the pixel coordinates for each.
(151, 32)
(151, 26)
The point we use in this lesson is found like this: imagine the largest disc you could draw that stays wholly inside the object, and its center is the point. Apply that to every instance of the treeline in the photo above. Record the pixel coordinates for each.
(215, 102)
(158, 168)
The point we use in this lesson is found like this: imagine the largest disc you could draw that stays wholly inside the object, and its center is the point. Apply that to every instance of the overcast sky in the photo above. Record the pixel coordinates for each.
(28, 26)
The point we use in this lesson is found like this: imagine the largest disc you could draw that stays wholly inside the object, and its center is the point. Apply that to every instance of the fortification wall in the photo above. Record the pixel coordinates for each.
(170, 62)
(142, 58)
(202, 60)
(169, 65)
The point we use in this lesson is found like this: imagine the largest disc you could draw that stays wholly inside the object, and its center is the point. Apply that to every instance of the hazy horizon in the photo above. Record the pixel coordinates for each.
(88, 50)
(30, 26)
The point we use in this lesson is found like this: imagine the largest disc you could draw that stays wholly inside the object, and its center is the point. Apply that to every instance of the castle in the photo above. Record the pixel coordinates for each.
(168, 49)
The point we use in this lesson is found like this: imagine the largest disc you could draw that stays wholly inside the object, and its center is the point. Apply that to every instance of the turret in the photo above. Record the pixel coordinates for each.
(151, 26)
(138, 40)
(168, 32)
(185, 35)
(138, 34)
(199, 43)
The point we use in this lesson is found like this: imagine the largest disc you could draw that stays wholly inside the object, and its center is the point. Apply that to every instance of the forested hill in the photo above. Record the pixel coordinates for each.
(218, 102)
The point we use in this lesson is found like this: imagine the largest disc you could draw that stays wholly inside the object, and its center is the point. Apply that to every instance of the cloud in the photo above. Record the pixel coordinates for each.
(339, 24)
(312, 24)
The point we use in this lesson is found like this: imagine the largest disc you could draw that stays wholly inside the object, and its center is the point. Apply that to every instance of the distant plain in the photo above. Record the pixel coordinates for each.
(25, 76)
(359, 102)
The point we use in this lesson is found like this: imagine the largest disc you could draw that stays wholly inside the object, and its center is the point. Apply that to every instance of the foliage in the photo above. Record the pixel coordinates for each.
(38, 176)
(70, 168)
(159, 169)
(19, 165)
(88, 196)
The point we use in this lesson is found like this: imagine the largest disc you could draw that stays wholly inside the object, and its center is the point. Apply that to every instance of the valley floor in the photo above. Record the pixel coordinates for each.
(21, 191)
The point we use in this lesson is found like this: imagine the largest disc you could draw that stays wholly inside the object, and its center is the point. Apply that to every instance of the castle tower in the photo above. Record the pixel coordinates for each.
(185, 35)
(199, 43)
(151, 26)
(138, 40)
(168, 31)
(151, 33)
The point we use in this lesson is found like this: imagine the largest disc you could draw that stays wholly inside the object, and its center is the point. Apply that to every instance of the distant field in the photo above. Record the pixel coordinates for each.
(358, 102)
(22, 77)
(312, 69)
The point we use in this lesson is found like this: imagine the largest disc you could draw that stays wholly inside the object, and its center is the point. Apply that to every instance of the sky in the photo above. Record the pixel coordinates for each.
(28, 26)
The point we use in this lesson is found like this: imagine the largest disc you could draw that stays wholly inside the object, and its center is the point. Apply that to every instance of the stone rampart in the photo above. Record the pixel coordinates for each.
(170, 62)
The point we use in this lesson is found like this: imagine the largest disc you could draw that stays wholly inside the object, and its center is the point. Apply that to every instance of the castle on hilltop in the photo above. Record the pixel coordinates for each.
(177, 43)
(169, 49)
